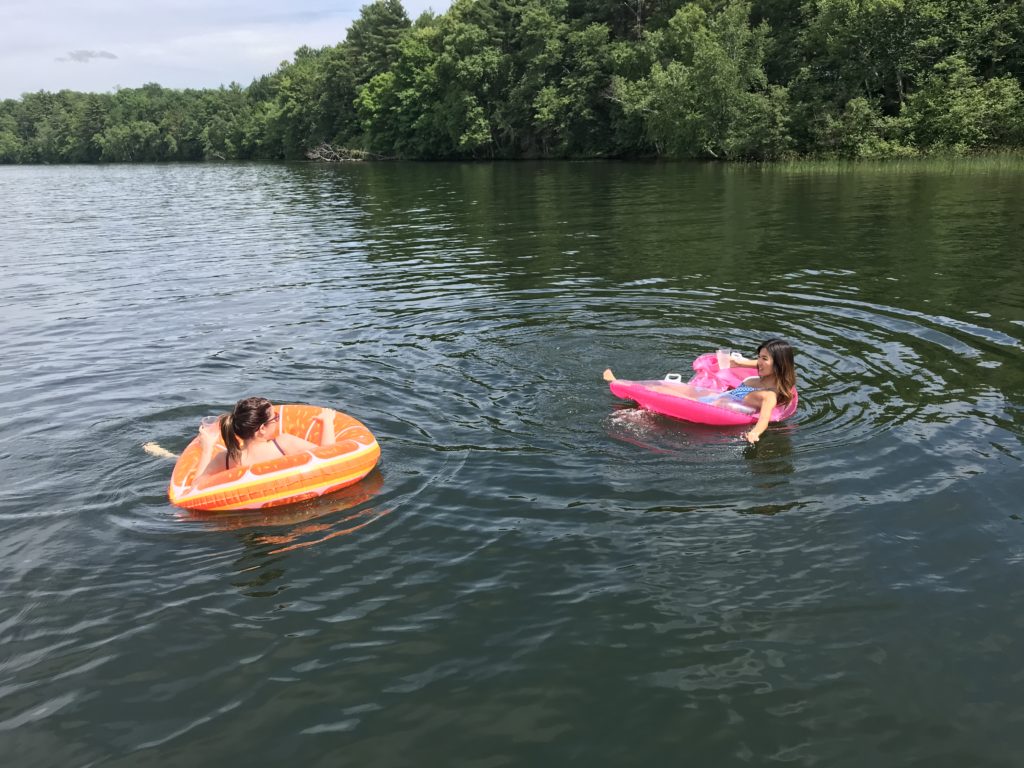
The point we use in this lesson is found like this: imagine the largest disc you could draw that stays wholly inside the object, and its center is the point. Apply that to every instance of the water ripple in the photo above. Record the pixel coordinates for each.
(535, 564)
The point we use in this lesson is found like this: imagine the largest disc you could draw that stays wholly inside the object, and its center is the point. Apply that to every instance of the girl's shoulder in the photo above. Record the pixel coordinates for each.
(293, 443)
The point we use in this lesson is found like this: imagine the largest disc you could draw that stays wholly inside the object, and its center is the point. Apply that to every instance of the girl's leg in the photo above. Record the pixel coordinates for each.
(683, 390)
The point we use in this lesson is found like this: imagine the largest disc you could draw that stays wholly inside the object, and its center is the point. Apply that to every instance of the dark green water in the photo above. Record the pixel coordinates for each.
(538, 574)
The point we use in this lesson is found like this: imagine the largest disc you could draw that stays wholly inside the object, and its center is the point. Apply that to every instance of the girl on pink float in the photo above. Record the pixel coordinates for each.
(773, 385)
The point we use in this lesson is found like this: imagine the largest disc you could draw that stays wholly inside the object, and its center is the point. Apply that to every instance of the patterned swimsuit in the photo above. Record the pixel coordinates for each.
(737, 394)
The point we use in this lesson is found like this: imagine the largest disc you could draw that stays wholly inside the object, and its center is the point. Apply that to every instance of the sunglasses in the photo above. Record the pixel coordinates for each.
(271, 420)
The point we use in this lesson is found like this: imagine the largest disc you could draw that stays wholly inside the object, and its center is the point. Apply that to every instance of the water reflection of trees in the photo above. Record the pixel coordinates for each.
(533, 224)
(845, 260)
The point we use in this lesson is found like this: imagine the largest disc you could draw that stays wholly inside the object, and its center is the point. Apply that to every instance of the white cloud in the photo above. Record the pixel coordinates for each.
(84, 57)
(176, 43)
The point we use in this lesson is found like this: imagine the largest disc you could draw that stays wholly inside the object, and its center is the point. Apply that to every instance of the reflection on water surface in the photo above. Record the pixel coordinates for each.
(536, 574)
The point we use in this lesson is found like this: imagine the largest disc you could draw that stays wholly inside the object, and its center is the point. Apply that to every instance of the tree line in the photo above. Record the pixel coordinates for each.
(512, 79)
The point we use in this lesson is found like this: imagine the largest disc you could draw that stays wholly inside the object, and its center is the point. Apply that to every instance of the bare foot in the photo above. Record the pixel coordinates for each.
(155, 450)
(608, 375)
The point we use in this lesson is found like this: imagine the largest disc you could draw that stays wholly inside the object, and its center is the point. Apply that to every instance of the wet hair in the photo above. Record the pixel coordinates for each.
(243, 422)
(782, 367)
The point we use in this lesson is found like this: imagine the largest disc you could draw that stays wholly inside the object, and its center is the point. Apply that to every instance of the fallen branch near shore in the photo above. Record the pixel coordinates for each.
(331, 154)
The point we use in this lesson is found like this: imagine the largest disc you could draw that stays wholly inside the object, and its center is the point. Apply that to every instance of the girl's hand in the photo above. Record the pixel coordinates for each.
(752, 436)
(326, 418)
(208, 435)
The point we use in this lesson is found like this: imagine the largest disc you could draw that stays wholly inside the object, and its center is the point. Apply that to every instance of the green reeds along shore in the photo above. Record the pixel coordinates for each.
(1004, 161)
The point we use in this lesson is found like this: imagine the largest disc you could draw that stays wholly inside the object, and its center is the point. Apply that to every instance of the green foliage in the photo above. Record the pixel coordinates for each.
(712, 79)
(297, 120)
(711, 97)
(126, 142)
(860, 131)
(957, 110)
(588, 113)
(395, 106)
(373, 40)
(11, 145)
(867, 48)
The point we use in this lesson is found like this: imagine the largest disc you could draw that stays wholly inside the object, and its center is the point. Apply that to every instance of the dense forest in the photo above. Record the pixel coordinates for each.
(490, 79)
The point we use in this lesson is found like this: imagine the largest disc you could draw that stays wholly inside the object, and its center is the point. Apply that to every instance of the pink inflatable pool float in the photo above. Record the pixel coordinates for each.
(666, 397)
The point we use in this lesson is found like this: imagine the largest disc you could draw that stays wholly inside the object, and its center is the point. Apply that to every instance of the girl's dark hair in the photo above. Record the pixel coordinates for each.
(242, 423)
(782, 367)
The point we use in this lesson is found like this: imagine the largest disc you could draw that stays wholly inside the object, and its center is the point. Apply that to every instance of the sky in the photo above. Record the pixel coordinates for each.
(102, 45)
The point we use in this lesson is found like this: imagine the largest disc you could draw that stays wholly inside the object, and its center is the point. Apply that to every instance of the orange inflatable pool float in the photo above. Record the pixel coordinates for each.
(287, 479)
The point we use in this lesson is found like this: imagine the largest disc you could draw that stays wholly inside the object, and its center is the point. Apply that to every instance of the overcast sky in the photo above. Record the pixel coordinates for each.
(99, 45)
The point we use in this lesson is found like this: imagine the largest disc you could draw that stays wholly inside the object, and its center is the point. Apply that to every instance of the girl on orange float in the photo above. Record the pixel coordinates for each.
(252, 434)
(774, 384)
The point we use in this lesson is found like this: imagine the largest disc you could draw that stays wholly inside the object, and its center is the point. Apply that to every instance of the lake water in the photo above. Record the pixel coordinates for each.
(537, 573)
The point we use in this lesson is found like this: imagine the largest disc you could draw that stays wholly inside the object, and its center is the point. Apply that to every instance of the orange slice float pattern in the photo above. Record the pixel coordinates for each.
(288, 479)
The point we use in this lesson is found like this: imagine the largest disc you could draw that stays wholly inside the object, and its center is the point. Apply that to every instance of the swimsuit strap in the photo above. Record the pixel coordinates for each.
(274, 441)
(755, 389)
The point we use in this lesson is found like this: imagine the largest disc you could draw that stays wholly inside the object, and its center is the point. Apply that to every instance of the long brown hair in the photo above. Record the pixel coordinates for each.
(783, 368)
(242, 423)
